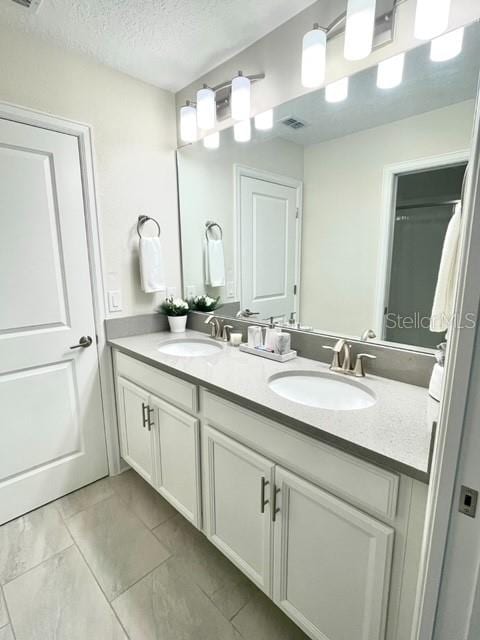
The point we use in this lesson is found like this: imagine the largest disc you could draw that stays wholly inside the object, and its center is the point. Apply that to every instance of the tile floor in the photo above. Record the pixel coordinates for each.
(114, 561)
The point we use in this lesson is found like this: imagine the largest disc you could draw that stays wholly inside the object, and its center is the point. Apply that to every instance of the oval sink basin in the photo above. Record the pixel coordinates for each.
(190, 348)
(321, 390)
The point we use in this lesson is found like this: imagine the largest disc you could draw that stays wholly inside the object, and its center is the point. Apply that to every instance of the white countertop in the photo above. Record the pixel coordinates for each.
(396, 431)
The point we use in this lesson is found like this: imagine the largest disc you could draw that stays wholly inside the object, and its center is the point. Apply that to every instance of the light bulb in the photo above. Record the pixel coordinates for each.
(337, 91)
(188, 123)
(431, 18)
(359, 29)
(206, 108)
(242, 131)
(390, 72)
(240, 97)
(264, 121)
(314, 54)
(447, 46)
(212, 141)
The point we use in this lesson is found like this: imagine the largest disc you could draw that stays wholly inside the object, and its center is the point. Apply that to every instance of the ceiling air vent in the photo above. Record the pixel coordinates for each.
(31, 5)
(293, 123)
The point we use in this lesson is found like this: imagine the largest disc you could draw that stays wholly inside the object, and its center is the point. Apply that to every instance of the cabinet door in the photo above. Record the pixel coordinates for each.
(332, 563)
(178, 458)
(136, 431)
(237, 485)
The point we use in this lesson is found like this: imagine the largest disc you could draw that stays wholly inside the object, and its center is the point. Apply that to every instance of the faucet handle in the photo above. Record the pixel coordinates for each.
(227, 329)
(336, 355)
(359, 370)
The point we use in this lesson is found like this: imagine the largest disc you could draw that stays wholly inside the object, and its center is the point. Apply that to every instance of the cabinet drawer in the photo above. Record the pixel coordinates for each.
(179, 392)
(358, 482)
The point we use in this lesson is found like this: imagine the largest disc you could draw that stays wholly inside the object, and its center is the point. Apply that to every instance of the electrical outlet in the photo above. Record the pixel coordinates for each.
(114, 300)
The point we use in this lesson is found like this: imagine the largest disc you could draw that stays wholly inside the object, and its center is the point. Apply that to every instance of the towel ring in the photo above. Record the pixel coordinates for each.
(209, 224)
(142, 220)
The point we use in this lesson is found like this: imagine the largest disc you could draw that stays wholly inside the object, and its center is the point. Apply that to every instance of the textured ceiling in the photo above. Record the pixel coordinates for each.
(168, 43)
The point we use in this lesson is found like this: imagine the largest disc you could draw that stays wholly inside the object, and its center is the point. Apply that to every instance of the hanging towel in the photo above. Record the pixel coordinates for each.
(151, 265)
(444, 300)
(214, 263)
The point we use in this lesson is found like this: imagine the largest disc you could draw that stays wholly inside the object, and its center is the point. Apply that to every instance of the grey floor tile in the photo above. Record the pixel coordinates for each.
(142, 499)
(118, 547)
(3, 611)
(27, 541)
(6, 633)
(60, 599)
(165, 605)
(77, 501)
(206, 565)
(231, 598)
(260, 619)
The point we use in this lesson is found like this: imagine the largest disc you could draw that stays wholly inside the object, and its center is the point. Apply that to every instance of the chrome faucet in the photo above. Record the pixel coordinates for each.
(342, 359)
(216, 327)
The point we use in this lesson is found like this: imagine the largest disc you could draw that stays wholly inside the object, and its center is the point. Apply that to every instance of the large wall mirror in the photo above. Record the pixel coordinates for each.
(335, 218)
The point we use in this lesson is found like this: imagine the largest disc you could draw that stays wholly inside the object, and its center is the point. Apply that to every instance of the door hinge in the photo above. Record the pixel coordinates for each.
(468, 501)
(294, 289)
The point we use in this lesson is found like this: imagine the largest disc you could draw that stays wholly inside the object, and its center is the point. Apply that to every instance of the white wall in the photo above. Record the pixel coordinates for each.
(278, 54)
(343, 211)
(206, 180)
(133, 126)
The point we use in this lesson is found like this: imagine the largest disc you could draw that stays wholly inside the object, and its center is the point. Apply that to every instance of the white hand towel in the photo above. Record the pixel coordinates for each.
(151, 265)
(444, 300)
(214, 263)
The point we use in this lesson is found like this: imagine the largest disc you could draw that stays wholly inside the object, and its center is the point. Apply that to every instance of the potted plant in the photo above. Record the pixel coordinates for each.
(203, 303)
(176, 311)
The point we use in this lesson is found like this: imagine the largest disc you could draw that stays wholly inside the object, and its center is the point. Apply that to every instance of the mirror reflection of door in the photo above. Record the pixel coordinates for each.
(268, 247)
(425, 203)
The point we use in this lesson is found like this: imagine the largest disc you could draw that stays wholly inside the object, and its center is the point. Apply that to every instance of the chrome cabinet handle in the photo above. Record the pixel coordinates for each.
(84, 342)
(144, 417)
(275, 509)
(149, 424)
(263, 502)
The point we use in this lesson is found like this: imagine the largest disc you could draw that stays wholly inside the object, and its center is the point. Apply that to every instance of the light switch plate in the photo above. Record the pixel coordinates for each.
(114, 300)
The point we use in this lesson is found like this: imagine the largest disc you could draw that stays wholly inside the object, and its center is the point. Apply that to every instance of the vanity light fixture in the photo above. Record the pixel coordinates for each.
(212, 141)
(188, 122)
(206, 108)
(447, 46)
(390, 72)
(241, 97)
(337, 91)
(431, 18)
(242, 131)
(314, 56)
(264, 121)
(359, 29)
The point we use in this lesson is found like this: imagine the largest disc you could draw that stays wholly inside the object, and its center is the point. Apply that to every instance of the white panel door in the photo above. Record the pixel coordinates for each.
(268, 237)
(237, 484)
(52, 437)
(332, 563)
(178, 458)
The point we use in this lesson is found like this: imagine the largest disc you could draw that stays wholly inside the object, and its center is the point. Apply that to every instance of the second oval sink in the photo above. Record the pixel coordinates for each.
(322, 390)
(190, 348)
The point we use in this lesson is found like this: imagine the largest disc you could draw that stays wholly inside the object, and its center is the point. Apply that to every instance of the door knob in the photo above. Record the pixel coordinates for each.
(84, 342)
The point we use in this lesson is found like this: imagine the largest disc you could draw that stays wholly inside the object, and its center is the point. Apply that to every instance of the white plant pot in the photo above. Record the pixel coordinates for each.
(177, 323)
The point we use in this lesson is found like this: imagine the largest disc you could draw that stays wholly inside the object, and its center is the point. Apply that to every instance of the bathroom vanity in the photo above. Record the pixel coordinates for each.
(322, 509)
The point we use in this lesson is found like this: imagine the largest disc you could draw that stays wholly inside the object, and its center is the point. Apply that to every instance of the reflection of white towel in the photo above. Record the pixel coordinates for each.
(444, 301)
(214, 263)
(151, 265)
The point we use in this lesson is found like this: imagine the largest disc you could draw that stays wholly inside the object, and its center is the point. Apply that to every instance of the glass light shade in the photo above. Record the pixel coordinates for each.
(212, 141)
(431, 18)
(314, 56)
(390, 72)
(337, 91)
(447, 46)
(206, 108)
(242, 131)
(188, 123)
(359, 29)
(264, 121)
(241, 98)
